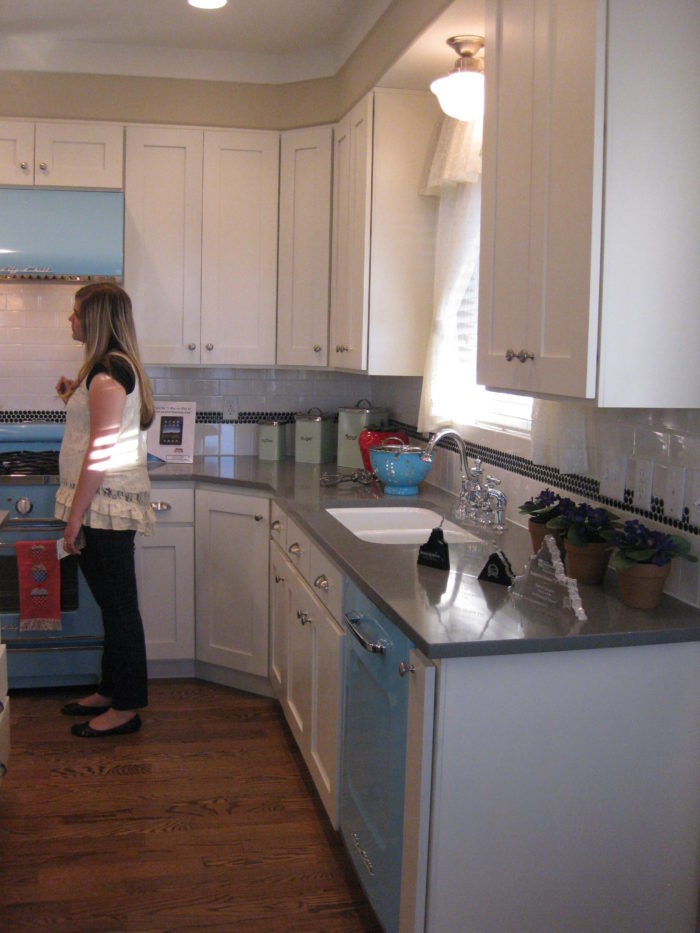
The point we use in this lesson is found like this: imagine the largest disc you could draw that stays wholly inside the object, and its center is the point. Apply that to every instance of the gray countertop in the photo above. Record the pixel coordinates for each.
(446, 614)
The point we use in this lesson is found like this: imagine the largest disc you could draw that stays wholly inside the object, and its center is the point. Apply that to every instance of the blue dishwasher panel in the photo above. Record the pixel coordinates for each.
(374, 752)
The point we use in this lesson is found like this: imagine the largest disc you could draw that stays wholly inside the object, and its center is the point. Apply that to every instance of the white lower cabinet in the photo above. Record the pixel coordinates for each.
(165, 578)
(306, 666)
(231, 570)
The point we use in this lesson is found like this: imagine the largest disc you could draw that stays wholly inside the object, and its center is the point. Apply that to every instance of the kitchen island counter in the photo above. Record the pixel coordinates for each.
(445, 614)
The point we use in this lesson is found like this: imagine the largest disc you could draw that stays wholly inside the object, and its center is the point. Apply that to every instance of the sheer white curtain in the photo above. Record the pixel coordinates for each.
(450, 395)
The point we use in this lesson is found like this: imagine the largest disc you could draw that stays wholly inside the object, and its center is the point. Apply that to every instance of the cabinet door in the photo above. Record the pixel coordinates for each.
(280, 609)
(297, 705)
(79, 155)
(16, 152)
(163, 240)
(239, 247)
(304, 246)
(165, 574)
(232, 580)
(352, 190)
(541, 196)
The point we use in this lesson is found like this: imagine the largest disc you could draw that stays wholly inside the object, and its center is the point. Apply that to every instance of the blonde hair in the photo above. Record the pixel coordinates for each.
(108, 324)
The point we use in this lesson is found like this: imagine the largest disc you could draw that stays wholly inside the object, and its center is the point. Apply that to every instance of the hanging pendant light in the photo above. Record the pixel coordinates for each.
(461, 93)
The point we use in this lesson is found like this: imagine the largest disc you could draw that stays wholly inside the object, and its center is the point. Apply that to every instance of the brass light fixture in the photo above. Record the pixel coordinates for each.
(461, 93)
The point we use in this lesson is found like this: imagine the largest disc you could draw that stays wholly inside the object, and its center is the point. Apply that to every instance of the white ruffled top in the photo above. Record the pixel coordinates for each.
(123, 501)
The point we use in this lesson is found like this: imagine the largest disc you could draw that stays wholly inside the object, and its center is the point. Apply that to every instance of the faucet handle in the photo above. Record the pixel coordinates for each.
(492, 481)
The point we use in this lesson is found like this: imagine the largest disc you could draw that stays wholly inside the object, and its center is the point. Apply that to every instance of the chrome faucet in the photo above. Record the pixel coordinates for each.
(461, 510)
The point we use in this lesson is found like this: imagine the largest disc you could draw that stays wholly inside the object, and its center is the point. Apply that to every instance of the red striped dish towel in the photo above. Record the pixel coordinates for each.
(39, 586)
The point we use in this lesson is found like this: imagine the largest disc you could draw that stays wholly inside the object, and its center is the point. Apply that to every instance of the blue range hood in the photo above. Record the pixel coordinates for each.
(47, 233)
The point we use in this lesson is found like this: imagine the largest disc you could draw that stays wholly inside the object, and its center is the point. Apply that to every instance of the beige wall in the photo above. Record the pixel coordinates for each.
(218, 103)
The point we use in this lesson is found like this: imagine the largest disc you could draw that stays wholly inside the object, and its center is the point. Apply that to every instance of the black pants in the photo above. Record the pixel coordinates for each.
(107, 562)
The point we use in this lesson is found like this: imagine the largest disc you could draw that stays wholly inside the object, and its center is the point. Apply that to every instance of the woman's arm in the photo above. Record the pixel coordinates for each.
(106, 399)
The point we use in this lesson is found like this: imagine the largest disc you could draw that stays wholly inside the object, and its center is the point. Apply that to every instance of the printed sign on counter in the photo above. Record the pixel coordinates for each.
(171, 436)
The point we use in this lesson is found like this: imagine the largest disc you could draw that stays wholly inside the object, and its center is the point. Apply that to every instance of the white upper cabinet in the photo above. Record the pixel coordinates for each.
(163, 240)
(589, 286)
(303, 292)
(61, 155)
(201, 244)
(383, 234)
(239, 247)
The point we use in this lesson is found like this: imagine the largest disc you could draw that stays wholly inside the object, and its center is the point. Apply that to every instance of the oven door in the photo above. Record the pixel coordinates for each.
(45, 659)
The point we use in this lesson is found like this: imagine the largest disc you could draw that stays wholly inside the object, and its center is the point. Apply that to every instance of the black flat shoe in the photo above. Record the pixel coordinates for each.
(85, 731)
(78, 709)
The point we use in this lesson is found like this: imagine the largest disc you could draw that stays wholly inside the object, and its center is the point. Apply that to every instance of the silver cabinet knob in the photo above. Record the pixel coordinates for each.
(294, 548)
(210, 346)
(191, 346)
(317, 348)
(258, 518)
(405, 669)
(522, 355)
(24, 166)
(276, 525)
(278, 578)
(303, 617)
(339, 348)
(161, 506)
(44, 166)
(321, 582)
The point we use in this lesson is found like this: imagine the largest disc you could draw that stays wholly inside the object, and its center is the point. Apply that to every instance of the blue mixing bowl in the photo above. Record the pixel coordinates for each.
(399, 467)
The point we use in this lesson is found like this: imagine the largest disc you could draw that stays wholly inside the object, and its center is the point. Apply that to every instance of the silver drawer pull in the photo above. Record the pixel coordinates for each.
(161, 506)
(405, 669)
(375, 647)
(321, 582)
(294, 548)
(276, 525)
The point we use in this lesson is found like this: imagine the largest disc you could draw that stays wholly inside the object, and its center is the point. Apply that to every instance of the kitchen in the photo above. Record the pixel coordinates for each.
(666, 437)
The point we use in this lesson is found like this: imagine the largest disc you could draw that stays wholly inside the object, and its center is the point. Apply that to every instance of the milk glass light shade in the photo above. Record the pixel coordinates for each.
(208, 4)
(461, 93)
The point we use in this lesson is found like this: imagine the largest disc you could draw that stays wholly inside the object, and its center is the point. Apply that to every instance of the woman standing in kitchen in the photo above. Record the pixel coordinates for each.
(104, 497)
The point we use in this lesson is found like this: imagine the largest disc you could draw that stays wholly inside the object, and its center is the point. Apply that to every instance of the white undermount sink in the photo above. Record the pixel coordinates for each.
(398, 525)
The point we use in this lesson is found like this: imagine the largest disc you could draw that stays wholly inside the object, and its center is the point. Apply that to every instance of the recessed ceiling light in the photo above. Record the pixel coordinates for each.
(208, 4)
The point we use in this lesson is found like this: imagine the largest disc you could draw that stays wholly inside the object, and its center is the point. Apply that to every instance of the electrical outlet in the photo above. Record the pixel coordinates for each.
(643, 477)
(612, 475)
(693, 497)
(674, 492)
(230, 412)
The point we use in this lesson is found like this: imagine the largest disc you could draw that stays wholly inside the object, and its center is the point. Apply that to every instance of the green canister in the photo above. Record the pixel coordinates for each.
(272, 440)
(314, 437)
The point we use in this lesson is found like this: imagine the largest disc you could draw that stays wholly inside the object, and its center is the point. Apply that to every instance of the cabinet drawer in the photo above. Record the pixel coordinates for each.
(298, 548)
(4, 735)
(173, 504)
(3, 671)
(326, 581)
(278, 525)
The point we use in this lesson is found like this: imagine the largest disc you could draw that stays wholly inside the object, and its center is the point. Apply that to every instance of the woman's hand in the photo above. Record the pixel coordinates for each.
(71, 537)
(63, 386)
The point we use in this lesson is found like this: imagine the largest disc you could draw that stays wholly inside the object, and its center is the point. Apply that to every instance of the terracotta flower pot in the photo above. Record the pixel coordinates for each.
(641, 586)
(587, 564)
(538, 532)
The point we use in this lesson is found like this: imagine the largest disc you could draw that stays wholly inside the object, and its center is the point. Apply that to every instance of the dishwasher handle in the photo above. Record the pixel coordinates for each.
(375, 647)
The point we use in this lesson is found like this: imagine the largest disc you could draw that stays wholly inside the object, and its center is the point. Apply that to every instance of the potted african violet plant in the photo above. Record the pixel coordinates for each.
(541, 508)
(586, 548)
(642, 560)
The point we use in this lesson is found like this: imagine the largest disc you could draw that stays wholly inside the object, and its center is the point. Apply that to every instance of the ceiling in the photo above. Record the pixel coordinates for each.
(260, 41)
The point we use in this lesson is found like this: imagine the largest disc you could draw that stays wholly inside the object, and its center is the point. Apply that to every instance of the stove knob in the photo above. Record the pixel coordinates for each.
(24, 505)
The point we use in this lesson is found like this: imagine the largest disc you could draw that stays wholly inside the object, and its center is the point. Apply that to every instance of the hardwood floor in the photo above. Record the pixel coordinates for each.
(206, 819)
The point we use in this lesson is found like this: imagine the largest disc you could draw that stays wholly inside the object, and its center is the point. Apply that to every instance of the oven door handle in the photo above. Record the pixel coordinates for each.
(23, 525)
(375, 647)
